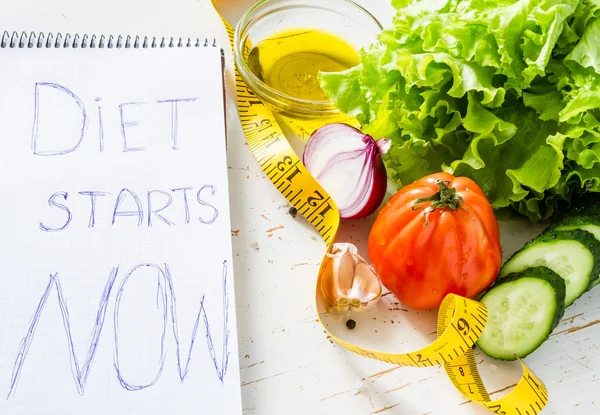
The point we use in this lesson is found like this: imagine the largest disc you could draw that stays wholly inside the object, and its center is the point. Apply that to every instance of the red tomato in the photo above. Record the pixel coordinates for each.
(437, 235)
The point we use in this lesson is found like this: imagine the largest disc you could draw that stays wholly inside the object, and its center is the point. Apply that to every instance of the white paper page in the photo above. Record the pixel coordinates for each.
(116, 277)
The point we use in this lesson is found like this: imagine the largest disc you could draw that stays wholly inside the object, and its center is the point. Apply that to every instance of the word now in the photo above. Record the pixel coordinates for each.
(129, 204)
(165, 296)
(57, 109)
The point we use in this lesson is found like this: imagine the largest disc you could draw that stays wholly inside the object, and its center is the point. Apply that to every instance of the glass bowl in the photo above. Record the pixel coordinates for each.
(344, 19)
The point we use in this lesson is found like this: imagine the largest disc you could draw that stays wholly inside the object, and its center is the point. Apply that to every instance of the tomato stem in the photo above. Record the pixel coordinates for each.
(446, 197)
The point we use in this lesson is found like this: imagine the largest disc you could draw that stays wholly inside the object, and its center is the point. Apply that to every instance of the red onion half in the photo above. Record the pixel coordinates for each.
(347, 163)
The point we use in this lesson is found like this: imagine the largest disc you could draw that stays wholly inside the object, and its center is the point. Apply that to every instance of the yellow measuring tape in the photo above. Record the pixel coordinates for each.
(460, 320)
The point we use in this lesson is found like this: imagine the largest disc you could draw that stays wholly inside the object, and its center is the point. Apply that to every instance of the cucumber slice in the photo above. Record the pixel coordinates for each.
(523, 309)
(585, 211)
(574, 255)
(594, 230)
(584, 215)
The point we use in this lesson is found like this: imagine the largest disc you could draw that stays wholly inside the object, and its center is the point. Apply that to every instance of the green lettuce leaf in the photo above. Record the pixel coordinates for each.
(506, 92)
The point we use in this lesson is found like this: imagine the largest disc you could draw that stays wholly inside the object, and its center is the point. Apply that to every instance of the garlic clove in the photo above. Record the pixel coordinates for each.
(366, 286)
(343, 270)
(347, 281)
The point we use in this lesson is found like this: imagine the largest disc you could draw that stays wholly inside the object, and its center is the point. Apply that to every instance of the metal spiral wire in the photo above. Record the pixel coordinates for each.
(50, 40)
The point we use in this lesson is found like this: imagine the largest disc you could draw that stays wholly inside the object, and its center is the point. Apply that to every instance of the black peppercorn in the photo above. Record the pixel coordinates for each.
(350, 324)
(293, 211)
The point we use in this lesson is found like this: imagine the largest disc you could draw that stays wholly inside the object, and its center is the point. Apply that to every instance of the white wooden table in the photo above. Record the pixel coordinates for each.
(288, 365)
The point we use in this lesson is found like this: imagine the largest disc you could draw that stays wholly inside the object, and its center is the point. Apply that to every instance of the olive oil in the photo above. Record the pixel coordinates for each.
(290, 61)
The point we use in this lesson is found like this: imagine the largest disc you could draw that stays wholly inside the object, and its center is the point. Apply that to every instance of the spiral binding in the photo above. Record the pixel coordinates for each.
(50, 40)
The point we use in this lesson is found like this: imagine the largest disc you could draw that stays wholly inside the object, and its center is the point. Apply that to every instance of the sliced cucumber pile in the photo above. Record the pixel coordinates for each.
(523, 309)
(538, 282)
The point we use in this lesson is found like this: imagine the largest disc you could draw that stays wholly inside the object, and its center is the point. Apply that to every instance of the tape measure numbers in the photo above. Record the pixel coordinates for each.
(460, 320)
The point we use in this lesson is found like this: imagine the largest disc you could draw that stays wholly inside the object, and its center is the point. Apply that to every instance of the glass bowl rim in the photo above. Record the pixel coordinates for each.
(255, 83)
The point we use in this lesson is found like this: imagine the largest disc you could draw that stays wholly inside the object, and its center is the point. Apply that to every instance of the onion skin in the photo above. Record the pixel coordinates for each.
(379, 188)
(371, 189)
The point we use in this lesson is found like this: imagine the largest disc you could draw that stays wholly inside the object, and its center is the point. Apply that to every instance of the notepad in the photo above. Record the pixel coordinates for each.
(116, 275)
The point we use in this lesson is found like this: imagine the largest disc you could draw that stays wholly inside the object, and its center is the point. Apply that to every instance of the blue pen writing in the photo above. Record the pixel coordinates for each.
(221, 369)
(154, 211)
(185, 201)
(175, 117)
(166, 301)
(93, 194)
(139, 212)
(161, 304)
(26, 341)
(203, 202)
(100, 126)
(52, 202)
(35, 136)
(80, 373)
(127, 124)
